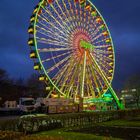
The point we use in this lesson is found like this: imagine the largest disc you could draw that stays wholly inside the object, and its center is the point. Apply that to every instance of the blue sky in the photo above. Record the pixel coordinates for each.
(122, 17)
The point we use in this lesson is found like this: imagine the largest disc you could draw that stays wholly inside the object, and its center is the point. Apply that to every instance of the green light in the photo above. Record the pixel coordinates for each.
(86, 45)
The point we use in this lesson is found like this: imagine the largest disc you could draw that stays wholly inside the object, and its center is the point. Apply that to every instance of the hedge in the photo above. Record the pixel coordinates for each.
(35, 123)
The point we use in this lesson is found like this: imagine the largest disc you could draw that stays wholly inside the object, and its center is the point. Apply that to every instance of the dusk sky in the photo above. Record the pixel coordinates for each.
(122, 17)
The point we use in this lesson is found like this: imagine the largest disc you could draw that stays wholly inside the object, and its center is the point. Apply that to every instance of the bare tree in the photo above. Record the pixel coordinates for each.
(36, 87)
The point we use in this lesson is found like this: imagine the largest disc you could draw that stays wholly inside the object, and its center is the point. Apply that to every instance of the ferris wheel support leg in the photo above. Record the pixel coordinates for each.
(119, 104)
(83, 76)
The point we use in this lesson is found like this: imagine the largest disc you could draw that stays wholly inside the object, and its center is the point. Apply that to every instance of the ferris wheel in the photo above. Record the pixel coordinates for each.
(72, 48)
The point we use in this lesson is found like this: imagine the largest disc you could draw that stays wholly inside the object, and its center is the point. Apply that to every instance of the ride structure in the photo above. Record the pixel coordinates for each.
(72, 49)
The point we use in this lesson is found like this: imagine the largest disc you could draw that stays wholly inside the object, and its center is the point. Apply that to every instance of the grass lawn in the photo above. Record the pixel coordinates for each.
(125, 123)
(62, 135)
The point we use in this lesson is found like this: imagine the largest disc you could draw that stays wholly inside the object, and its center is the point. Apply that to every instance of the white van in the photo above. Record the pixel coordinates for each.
(27, 105)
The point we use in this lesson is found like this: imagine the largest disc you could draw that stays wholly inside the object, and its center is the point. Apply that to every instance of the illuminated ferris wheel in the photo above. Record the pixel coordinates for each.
(72, 48)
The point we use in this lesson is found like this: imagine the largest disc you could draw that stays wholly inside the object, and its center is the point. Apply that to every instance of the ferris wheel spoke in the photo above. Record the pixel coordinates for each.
(93, 84)
(105, 64)
(71, 13)
(67, 11)
(65, 14)
(103, 40)
(89, 76)
(65, 82)
(89, 84)
(80, 17)
(62, 11)
(66, 26)
(82, 13)
(58, 64)
(95, 29)
(95, 76)
(77, 89)
(71, 82)
(54, 57)
(101, 51)
(104, 69)
(54, 30)
(100, 71)
(96, 41)
(59, 75)
(57, 21)
(102, 46)
(54, 49)
(104, 57)
(67, 74)
(64, 69)
(73, 77)
(100, 65)
(95, 32)
(106, 81)
(51, 38)
(97, 37)
(75, 12)
(95, 79)
(49, 41)
(51, 34)
(87, 19)
(44, 19)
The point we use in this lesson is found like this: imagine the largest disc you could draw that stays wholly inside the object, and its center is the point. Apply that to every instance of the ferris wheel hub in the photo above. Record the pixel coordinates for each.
(86, 45)
(77, 36)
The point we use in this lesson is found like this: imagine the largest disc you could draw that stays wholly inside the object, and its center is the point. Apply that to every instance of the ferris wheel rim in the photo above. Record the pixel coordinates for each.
(36, 47)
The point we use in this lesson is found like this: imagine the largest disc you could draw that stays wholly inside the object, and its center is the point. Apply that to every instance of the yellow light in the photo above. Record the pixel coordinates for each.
(110, 71)
(81, 1)
(110, 56)
(110, 63)
(109, 78)
(30, 42)
(98, 20)
(32, 19)
(87, 7)
(35, 10)
(105, 33)
(110, 48)
(41, 78)
(49, 88)
(30, 30)
(36, 67)
(93, 13)
(108, 40)
(32, 55)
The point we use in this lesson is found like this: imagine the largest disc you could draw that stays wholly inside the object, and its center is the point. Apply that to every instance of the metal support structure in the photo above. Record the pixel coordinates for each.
(120, 105)
(83, 76)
